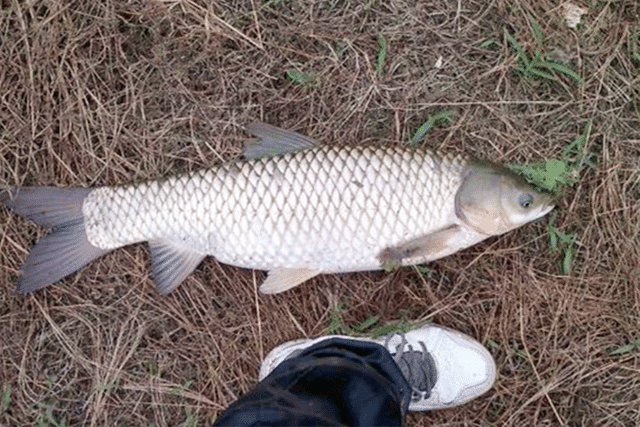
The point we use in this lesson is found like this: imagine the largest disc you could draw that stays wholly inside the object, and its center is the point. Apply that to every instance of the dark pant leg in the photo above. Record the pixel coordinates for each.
(334, 382)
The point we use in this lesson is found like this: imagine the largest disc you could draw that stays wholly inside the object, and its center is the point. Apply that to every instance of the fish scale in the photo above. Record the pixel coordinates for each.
(292, 207)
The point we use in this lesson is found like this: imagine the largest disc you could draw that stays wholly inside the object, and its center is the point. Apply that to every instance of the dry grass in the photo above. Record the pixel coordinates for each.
(111, 92)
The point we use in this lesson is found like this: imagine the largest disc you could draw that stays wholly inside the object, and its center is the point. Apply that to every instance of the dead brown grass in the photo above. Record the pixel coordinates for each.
(110, 92)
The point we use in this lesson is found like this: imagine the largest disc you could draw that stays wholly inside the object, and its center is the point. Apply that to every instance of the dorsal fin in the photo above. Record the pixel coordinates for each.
(273, 141)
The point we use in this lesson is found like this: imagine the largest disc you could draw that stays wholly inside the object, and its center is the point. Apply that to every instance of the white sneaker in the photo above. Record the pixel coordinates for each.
(445, 368)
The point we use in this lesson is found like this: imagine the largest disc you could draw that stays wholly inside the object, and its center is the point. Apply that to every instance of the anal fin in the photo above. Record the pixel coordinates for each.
(281, 279)
(426, 246)
(171, 263)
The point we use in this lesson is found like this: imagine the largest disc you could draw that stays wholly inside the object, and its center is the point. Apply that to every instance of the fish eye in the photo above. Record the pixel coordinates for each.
(525, 200)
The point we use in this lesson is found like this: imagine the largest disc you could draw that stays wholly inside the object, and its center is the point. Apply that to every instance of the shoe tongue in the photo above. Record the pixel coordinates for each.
(419, 369)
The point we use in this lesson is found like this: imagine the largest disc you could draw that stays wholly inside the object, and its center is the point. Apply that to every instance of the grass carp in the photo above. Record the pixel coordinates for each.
(291, 207)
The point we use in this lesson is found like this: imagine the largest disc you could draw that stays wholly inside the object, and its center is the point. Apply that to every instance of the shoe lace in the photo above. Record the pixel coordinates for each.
(417, 366)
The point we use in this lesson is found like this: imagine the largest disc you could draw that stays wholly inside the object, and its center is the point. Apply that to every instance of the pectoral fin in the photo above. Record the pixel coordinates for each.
(281, 279)
(171, 264)
(421, 247)
(273, 141)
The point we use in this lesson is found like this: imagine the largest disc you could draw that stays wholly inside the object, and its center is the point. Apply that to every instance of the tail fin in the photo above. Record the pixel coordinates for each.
(66, 248)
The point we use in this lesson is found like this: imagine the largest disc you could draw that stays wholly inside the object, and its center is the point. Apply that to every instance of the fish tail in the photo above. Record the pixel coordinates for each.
(66, 248)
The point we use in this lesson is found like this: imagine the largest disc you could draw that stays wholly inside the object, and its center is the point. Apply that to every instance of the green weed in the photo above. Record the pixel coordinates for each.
(110, 386)
(561, 241)
(381, 54)
(151, 367)
(192, 420)
(633, 46)
(491, 344)
(554, 174)
(401, 326)
(626, 348)
(536, 65)
(550, 175)
(519, 354)
(336, 325)
(491, 44)
(6, 398)
(390, 265)
(423, 270)
(340, 49)
(308, 80)
(185, 386)
(48, 419)
(369, 326)
(365, 325)
(442, 117)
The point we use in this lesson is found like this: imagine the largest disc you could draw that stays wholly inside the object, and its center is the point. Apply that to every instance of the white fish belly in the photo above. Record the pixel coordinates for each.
(334, 209)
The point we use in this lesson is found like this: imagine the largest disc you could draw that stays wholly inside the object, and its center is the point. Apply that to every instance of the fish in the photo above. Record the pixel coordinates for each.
(289, 206)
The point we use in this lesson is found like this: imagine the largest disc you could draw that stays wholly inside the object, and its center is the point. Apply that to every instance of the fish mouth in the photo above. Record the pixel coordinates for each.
(547, 208)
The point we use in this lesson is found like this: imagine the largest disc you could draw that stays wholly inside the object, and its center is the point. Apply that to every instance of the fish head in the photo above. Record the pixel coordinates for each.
(494, 200)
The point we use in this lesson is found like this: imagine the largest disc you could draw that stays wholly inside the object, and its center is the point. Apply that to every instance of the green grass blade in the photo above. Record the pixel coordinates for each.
(490, 44)
(441, 117)
(576, 150)
(336, 325)
(366, 324)
(400, 326)
(518, 49)
(566, 261)
(536, 33)
(381, 54)
(552, 238)
(633, 46)
(6, 398)
(423, 270)
(562, 69)
(306, 80)
(565, 238)
(576, 146)
(626, 348)
(538, 72)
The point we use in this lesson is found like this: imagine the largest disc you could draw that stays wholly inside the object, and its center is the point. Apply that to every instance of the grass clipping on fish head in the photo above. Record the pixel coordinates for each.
(106, 93)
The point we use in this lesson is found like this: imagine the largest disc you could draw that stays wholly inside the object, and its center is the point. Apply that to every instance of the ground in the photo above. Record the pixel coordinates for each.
(114, 92)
